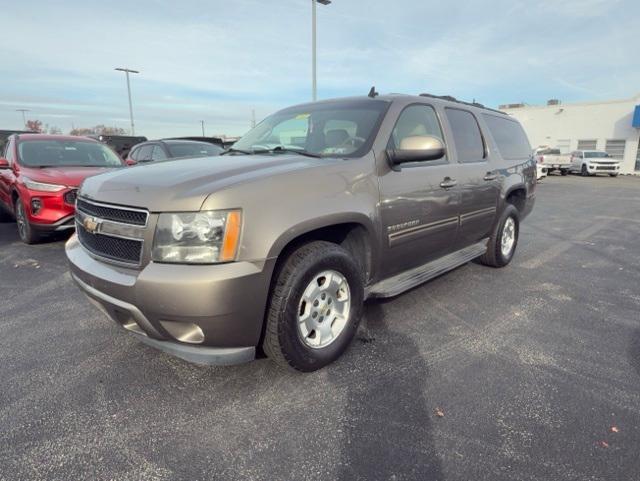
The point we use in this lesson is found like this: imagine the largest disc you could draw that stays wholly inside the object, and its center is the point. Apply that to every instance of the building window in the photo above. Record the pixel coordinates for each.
(615, 148)
(587, 144)
(564, 145)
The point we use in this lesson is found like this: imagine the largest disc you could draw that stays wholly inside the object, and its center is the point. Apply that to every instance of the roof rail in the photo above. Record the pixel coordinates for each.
(449, 98)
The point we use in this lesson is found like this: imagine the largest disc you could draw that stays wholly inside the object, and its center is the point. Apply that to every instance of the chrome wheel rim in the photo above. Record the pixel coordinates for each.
(20, 220)
(508, 236)
(323, 310)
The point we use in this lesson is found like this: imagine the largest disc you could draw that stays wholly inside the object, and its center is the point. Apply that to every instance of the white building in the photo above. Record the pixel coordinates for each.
(612, 126)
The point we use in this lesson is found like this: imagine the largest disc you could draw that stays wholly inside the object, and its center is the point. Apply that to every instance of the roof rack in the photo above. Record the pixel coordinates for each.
(449, 98)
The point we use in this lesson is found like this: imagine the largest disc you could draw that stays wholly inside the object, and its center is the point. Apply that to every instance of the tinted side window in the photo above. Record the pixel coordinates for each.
(510, 138)
(415, 120)
(466, 135)
(158, 153)
(145, 152)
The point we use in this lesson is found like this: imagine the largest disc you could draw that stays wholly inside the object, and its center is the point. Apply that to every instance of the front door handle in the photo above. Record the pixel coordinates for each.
(490, 176)
(448, 182)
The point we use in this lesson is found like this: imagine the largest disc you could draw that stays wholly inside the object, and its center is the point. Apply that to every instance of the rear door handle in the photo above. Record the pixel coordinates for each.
(490, 176)
(447, 183)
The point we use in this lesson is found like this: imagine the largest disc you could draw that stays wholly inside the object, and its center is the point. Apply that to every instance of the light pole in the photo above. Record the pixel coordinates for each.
(24, 119)
(313, 46)
(202, 124)
(127, 72)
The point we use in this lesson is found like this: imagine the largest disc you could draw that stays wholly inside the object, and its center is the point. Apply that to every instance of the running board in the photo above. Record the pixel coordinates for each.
(406, 280)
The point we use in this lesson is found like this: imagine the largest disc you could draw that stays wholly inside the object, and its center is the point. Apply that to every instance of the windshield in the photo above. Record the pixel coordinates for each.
(193, 149)
(66, 153)
(596, 155)
(344, 129)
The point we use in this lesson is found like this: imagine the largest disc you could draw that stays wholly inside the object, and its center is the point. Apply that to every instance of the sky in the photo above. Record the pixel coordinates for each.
(218, 61)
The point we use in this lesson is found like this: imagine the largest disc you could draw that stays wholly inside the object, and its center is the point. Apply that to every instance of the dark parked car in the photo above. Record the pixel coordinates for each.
(277, 243)
(171, 149)
(122, 144)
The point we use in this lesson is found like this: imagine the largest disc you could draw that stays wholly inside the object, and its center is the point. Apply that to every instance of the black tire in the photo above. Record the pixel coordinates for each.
(613, 175)
(583, 171)
(564, 172)
(26, 232)
(494, 256)
(283, 342)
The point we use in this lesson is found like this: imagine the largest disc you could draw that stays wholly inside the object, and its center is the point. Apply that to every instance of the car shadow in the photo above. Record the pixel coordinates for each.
(387, 421)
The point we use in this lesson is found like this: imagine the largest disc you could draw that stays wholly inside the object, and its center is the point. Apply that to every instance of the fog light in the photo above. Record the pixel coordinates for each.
(36, 205)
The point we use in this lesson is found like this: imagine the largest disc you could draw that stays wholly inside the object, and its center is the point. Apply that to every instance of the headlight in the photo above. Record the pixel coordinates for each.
(42, 187)
(197, 237)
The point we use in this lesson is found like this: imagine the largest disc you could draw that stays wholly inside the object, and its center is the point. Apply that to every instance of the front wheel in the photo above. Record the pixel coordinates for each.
(584, 172)
(314, 308)
(504, 239)
(27, 234)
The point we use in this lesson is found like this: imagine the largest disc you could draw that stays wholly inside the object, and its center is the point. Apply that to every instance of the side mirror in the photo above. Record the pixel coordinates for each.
(418, 148)
(4, 163)
(130, 162)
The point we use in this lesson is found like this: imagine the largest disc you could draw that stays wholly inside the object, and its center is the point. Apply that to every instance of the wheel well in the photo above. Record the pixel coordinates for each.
(353, 237)
(518, 197)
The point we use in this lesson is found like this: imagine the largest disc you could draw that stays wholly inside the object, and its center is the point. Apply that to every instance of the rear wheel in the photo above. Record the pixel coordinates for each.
(26, 232)
(314, 308)
(504, 239)
(564, 171)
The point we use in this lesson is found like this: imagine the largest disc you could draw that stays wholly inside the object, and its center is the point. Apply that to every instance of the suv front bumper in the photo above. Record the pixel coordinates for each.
(207, 314)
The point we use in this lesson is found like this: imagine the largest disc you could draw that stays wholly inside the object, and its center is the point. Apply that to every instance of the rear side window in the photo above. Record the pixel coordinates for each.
(509, 136)
(194, 149)
(158, 153)
(466, 135)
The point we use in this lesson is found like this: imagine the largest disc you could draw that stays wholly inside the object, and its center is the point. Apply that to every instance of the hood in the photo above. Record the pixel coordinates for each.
(184, 184)
(69, 176)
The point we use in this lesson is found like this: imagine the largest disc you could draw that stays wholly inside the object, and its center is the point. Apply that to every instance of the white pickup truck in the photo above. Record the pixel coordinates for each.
(553, 160)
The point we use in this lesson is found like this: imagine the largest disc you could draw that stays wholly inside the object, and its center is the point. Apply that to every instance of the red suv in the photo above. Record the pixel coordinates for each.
(39, 178)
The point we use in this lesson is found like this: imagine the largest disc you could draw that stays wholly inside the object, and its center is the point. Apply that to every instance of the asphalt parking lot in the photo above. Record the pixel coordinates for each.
(522, 373)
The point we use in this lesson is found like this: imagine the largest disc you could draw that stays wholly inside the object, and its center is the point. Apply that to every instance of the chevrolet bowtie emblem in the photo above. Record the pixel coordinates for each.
(91, 224)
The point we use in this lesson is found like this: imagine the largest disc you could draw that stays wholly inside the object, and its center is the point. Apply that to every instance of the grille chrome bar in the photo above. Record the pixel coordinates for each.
(115, 213)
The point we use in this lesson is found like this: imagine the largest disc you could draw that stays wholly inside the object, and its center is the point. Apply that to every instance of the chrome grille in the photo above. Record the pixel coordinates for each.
(126, 216)
(111, 232)
(113, 248)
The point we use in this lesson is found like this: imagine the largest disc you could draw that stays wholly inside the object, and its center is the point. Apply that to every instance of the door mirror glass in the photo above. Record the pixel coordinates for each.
(4, 164)
(417, 148)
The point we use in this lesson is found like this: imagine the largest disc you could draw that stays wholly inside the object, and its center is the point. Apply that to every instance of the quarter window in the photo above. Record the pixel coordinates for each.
(9, 152)
(466, 135)
(158, 153)
(415, 120)
(509, 136)
(145, 152)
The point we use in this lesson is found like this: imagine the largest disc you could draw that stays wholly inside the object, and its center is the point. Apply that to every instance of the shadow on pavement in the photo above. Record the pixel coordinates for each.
(387, 417)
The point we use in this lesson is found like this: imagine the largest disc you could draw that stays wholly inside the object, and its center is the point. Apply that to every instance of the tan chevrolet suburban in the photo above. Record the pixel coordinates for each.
(274, 246)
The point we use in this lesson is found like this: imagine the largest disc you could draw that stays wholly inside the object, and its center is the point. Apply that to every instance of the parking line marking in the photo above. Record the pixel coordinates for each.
(624, 219)
(564, 246)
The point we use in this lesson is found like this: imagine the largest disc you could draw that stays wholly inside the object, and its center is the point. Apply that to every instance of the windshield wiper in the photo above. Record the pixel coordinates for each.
(306, 153)
(237, 151)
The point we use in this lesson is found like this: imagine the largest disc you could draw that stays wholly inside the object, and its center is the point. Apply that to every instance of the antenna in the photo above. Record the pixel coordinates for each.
(372, 93)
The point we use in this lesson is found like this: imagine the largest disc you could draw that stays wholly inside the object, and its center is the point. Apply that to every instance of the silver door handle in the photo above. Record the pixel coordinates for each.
(490, 176)
(447, 183)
